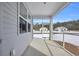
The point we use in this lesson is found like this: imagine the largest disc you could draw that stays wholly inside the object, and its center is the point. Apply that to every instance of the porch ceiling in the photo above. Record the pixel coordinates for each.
(46, 9)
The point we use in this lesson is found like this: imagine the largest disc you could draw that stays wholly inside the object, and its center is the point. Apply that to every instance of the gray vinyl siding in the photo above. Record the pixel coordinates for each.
(0, 29)
(10, 38)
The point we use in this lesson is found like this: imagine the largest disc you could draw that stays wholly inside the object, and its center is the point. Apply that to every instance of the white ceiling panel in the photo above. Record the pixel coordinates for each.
(47, 9)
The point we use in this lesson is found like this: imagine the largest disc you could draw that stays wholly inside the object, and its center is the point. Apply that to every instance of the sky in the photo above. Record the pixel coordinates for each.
(71, 12)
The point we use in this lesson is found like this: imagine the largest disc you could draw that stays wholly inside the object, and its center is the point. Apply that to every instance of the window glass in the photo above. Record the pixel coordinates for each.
(23, 10)
(23, 25)
(29, 27)
(29, 16)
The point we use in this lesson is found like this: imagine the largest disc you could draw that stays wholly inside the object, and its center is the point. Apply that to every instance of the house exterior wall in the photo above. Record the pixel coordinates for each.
(60, 29)
(0, 28)
(11, 39)
(43, 29)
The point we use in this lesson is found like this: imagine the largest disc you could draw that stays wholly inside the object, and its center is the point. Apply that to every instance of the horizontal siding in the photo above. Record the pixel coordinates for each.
(8, 31)
(9, 20)
(0, 28)
(9, 17)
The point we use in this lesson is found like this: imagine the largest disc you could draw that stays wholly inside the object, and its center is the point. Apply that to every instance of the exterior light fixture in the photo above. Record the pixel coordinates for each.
(44, 2)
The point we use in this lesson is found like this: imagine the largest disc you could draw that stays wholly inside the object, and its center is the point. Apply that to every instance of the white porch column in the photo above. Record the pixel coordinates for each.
(32, 27)
(51, 29)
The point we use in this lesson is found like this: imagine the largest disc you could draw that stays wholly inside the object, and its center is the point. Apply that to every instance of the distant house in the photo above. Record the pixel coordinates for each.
(43, 29)
(60, 29)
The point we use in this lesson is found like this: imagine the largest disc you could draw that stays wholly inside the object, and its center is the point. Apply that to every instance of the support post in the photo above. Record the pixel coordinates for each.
(42, 27)
(51, 28)
(32, 27)
(63, 40)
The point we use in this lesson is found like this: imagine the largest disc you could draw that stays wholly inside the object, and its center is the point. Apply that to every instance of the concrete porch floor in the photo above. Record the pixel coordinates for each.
(41, 47)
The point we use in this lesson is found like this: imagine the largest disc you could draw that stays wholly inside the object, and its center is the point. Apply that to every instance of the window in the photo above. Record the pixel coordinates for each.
(29, 27)
(29, 17)
(23, 25)
(23, 10)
